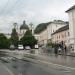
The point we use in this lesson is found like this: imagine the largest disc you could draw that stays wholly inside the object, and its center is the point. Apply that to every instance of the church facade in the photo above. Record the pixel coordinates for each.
(20, 31)
(23, 28)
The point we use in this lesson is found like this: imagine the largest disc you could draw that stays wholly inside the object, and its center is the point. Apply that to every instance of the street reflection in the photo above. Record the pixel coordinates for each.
(26, 67)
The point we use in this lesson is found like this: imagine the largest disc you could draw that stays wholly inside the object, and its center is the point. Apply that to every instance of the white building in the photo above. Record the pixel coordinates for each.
(37, 37)
(55, 25)
(45, 35)
(71, 14)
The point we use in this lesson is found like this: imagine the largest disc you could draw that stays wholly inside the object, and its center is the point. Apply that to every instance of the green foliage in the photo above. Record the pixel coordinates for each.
(14, 38)
(50, 44)
(4, 43)
(41, 27)
(28, 39)
(28, 33)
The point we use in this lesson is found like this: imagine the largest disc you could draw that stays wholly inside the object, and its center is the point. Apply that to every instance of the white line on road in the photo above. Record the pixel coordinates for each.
(8, 70)
(56, 65)
(49, 63)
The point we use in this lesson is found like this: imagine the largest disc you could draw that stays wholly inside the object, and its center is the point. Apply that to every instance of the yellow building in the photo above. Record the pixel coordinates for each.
(62, 34)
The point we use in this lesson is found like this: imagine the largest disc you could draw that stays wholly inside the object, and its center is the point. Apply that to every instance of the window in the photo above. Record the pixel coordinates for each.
(65, 34)
(59, 36)
(62, 36)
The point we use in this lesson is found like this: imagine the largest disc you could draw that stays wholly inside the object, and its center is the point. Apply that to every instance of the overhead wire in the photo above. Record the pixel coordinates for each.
(13, 6)
(4, 8)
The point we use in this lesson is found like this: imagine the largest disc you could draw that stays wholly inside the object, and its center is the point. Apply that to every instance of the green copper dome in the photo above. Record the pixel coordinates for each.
(24, 26)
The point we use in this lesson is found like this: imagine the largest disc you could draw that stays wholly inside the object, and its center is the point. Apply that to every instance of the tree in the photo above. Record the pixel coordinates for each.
(49, 44)
(4, 43)
(28, 39)
(14, 38)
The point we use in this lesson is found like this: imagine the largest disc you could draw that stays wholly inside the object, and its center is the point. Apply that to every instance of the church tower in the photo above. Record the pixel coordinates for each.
(23, 28)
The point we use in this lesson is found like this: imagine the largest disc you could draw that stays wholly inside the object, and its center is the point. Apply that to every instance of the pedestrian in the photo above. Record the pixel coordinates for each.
(65, 49)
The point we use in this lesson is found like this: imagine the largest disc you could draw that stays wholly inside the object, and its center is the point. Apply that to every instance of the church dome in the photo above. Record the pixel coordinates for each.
(24, 26)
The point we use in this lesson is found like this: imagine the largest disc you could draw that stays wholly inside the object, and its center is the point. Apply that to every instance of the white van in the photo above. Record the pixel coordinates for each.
(36, 46)
(20, 47)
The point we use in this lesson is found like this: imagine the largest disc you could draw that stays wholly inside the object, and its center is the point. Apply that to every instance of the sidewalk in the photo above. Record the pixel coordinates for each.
(4, 70)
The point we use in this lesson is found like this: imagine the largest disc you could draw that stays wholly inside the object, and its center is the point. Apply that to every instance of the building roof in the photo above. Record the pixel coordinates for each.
(61, 29)
(73, 7)
(58, 22)
(23, 26)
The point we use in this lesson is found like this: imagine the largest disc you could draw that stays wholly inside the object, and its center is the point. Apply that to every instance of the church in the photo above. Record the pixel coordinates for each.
(23, 28)
(20, 30)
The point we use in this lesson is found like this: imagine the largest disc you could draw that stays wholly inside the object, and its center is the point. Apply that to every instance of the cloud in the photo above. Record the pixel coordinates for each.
(35, 11)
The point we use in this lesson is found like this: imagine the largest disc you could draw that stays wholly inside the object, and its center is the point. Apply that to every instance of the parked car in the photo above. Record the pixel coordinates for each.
(36, 46)
(20, 47)
(12, 47)
(27, 47)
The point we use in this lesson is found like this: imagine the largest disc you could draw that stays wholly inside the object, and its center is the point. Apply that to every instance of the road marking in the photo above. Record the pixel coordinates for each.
(8, 70)
(45, 62)
(56, 65)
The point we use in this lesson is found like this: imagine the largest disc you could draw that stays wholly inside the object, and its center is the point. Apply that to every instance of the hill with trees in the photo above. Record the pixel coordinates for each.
(41, 27)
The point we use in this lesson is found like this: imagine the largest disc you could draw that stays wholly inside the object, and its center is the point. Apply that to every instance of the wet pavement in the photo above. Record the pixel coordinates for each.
(27, 67)
(64, 60)
(21, 67)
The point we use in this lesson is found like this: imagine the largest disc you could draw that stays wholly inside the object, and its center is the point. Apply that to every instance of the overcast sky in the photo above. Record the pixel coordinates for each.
(35, 11)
